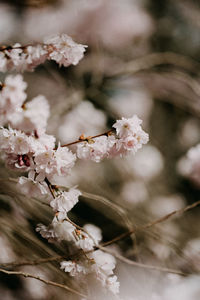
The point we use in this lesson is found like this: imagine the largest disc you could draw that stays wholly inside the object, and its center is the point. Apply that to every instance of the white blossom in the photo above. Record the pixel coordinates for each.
(30, 118)
(112, 284)
(83, 118)
(129, 138)
(126, 127)
(54, 162)
(31, 187)
(189, 166)
(64, 230)
(17, 142)
(94, 231)
(73, 268)
(105, 262)
(12, 97)
(60, 48)
(95, 149)
(14, 141)
(64, 50)
(47, 232)
(85, 243)
(65, 201)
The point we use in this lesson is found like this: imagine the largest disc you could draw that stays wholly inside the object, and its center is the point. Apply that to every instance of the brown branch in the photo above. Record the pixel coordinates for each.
(118, 256)
(118, 209)
(82, 139)
(150, 224)
(141, 265)
(33, 262)
(49, 282)
(50, 187)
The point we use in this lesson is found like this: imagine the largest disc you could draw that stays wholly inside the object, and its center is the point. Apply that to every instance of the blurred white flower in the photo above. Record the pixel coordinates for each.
(30, 118)
(94, 231)
(187, 289)
(8, 22)
(134, 192)
(189, 165)
(163, 205)
(112, 24)
(190, 133)
(147, 163)
(127, 103)
(83, 119)
(192, 251)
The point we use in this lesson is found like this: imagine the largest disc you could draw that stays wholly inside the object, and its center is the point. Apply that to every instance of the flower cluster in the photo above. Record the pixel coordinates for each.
(99, 263)
(60, 48)
(25, 146)
(18, 113)
(129, 137)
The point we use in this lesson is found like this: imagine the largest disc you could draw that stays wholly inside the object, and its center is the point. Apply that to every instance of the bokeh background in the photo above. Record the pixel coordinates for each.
(142, 58)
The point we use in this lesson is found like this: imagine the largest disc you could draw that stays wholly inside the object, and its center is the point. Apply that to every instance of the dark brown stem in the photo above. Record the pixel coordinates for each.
(50, 187)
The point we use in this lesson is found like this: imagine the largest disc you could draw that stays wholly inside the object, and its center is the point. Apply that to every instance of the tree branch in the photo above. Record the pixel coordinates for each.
(49, 282)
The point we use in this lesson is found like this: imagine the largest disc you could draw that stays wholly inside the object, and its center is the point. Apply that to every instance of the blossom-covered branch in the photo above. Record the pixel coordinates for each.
(60, 48)
(25, 147)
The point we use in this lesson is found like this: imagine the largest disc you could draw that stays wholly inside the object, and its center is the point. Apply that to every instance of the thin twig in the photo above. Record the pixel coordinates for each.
(150, 224)
(118, 209)
(29, 262)
(80, 140)
(50, 187)
(49, 282)
(141, 265)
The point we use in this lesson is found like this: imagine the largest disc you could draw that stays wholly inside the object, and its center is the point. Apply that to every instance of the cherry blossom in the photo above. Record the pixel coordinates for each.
(129, 137)
(54, 162)
(64, 50)
(72, 268)
(60, 48)
(12, 96)
(25, 146)
(65, 201)
(47, 233)
(30, 118)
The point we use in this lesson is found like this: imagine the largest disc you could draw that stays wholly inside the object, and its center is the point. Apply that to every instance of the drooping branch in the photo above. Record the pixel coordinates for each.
(49, 282)
(153, 223)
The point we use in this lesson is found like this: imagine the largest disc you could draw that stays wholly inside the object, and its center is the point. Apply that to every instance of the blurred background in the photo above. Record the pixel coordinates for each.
(142, 58)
